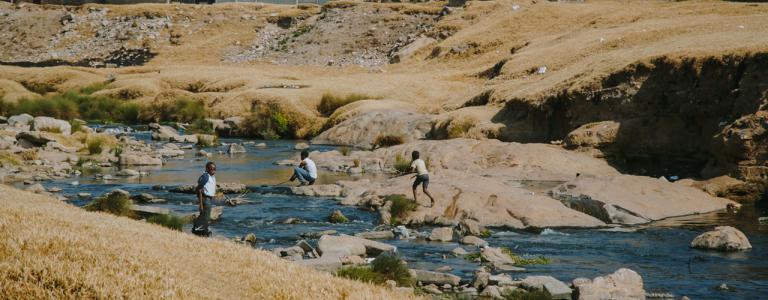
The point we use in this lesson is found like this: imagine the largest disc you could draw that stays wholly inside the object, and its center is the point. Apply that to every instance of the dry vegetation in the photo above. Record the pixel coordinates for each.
(53, 250)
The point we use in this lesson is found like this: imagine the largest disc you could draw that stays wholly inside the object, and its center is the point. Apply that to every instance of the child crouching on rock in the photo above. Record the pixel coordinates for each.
(422, 177)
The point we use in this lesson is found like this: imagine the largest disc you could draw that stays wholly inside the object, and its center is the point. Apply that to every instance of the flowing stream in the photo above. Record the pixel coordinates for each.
(659, 252)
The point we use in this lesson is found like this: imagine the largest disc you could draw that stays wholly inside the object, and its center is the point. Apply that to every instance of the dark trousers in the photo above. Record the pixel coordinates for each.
(200, 225)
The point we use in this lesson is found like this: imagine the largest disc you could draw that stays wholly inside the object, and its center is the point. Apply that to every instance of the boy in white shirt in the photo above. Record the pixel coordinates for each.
(206, 191)
(422, 177)
(306, 172)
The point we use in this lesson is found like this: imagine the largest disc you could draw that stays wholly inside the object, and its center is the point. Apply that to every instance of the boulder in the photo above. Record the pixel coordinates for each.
(458, 251)
(376, 235)
(410, 49)
(593, 135)
(481, 278)
(338, 246)
(51, 125)
(166, 152)
(20, 120)
(143, 198)
(471, 227)
(34, 138)
(235, 148)
(723, 238)
(189, 138)
(317, 190)
(626, 199)
(35, 188)
(499, 260)
(442, 234)
(325, 263)
(317, 234)
(145, 210)
(127, 173)
(137, 159)
(203, 153)
(491, 292)
(301, 146)
(556, 288)
(363, 129)
(474, 241)
(624, 284)
(164, 133)
(432, 289)
(427, 277)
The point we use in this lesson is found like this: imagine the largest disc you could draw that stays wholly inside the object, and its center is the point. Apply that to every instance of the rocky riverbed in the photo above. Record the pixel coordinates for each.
(510, 204)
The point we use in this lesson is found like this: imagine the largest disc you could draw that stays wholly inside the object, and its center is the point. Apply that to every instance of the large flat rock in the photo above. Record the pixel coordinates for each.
(626, 199)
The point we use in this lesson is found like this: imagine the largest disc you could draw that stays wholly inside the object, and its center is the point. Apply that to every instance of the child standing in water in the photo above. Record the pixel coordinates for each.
(422, 177)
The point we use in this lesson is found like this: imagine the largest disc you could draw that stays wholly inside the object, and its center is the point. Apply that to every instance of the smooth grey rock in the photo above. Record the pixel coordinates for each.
(376, 235)
(427, 277)
(622, 284)
(556, 288)
(723, 238)
(441, 234)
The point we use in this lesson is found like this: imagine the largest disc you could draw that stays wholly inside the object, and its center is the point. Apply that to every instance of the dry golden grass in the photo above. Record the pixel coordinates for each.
(49, 249)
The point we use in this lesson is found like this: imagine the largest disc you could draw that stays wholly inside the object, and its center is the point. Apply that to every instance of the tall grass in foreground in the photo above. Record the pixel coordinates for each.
(74, 105)
(330, 103)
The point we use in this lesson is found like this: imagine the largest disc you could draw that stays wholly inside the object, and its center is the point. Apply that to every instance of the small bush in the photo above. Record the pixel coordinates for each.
(521, 294)
(345, 150)
(460, 128)
(485, 234)
(7, 158)
(179, 110)
(270, 122)
(387, 140)
(201, 126)
(338, 217)
(401, 165)
(113, 203)
(202, 141)
(363, 273)
(474, 256)
(28, 154)
(170, 221)
(96, 144)
(93, 88)
(400, 207)
(522, 261)
(391, 267)
(329, 103)
(356, 162)
(76, 125)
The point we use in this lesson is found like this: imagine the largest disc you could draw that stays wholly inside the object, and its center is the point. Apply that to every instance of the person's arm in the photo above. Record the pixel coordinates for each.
(200, 197)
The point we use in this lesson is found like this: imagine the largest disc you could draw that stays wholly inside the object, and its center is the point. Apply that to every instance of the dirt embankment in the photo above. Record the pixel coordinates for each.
(51, 249)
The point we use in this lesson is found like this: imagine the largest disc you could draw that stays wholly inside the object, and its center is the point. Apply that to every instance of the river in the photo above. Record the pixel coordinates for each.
(658, 252)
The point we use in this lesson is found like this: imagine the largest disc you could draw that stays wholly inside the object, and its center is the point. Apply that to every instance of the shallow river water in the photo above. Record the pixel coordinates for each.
(659, 252)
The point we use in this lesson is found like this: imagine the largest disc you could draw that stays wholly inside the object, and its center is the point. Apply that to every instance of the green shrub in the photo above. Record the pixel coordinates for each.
(268, 121)
(169, 221)
(203, 142)
(113, 203)
(400, 207)
(473, 256)
(76, 125)
(73, 104)
(362, 273)
(522, 261)
(93, 88)
(202, 126)
(387, 140)
(521, 294)
(95, 144)
(338, 217)
(391, 267)
(179, 110)
(401, 165)
(329, 103)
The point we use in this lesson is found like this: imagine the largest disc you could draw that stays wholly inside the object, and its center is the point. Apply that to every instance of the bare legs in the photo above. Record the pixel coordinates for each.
(431, 200)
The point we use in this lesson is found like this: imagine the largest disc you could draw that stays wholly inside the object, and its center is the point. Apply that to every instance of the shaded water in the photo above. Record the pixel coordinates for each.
(660, 253)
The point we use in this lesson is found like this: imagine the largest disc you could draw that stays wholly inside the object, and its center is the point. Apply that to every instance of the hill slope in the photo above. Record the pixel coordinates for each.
(50, 249)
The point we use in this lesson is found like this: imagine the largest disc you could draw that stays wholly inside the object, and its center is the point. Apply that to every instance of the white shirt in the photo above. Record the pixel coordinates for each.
(420, 166)
(311, 168)
(209, 187)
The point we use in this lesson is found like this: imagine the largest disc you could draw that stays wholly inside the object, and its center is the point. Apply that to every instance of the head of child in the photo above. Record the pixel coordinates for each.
(210, 167)
(415, 155)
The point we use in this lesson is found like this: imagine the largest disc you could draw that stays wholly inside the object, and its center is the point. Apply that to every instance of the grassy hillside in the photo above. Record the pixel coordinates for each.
(50, 249)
